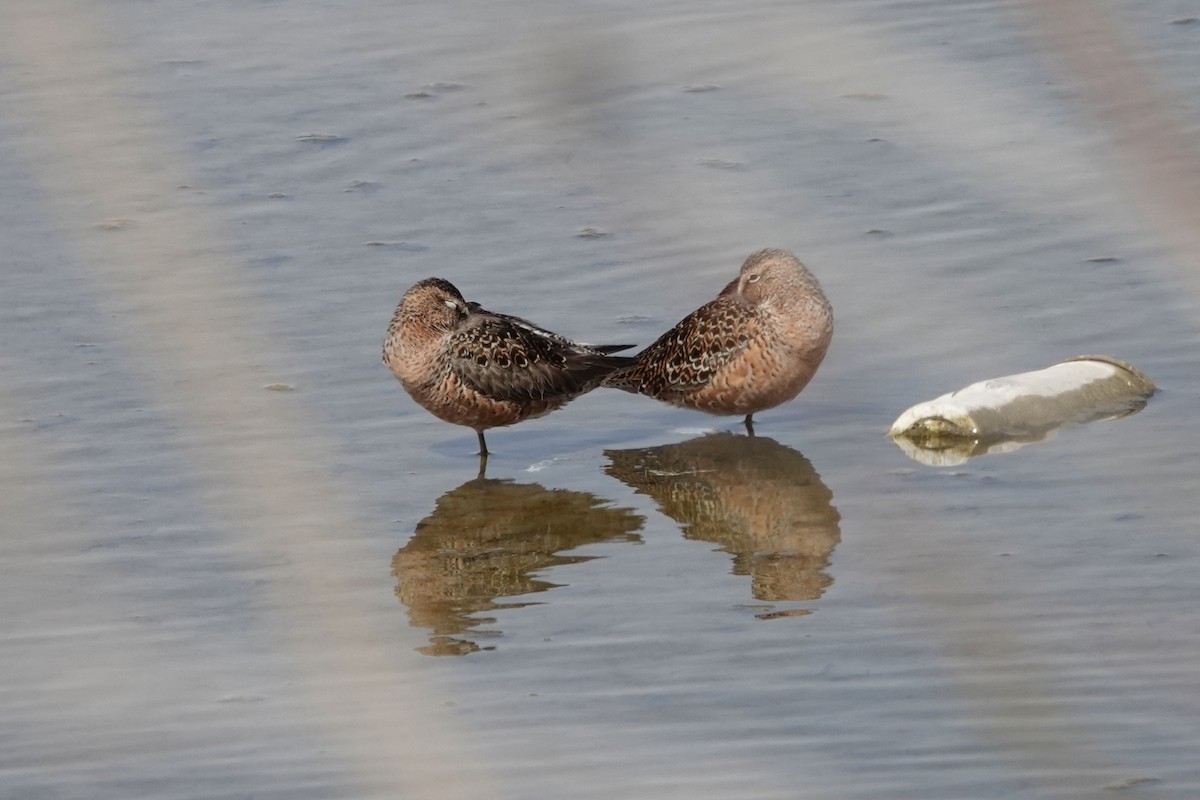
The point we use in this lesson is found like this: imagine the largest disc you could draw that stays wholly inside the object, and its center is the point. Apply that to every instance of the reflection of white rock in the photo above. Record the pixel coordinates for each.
(1002, 414)
(946, 451)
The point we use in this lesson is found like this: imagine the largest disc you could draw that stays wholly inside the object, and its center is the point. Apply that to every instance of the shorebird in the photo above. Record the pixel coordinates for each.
(752, 348)
(471, 367)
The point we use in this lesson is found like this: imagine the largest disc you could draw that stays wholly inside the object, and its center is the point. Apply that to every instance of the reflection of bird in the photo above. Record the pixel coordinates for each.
(484, 541)
(762, 502)
(753, 347)
(471, 367)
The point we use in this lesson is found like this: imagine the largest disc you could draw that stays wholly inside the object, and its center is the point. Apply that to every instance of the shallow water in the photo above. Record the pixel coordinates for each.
(231, 543)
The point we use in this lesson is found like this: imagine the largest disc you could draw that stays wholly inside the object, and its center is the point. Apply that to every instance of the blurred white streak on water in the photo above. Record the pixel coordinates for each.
(262, 470)
(1159, 159)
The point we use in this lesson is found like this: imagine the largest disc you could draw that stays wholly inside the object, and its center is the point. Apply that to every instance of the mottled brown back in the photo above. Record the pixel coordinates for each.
(471, 367)
(756, 345)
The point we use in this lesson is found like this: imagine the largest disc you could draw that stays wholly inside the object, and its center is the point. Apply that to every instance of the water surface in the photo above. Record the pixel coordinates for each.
(217, 498)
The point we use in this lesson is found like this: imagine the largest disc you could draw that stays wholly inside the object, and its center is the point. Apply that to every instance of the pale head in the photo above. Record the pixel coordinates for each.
(433, 304)
(774, 278)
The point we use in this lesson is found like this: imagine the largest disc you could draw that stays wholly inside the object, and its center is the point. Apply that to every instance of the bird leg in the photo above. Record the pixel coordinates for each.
(483, 454)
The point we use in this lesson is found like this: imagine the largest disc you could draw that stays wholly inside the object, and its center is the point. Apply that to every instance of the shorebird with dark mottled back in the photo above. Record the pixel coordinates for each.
(468, 366)
(752, 348)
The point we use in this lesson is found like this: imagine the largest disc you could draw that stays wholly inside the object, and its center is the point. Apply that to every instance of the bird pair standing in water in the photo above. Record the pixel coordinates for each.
(753, 347)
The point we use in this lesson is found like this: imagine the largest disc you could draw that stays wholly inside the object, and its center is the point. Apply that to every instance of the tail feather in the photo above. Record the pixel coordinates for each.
(625, 377)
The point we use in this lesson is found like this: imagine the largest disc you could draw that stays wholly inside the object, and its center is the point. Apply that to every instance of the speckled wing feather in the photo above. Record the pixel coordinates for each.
(521, 362)
(686, 356)
(474, 307)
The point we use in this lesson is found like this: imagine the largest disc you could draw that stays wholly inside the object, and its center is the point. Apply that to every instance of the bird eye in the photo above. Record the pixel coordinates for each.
(450, 303)
(754, 276)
